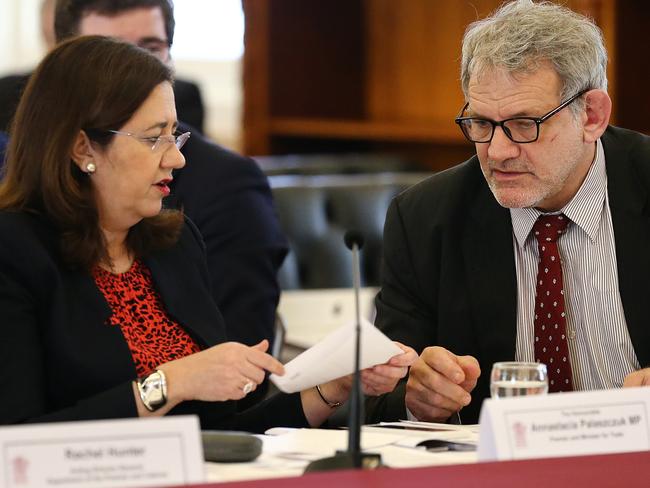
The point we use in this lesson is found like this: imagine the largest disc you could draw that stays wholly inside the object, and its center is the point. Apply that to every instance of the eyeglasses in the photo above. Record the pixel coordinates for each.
(156, 46)
(157, 142)
(521, 130)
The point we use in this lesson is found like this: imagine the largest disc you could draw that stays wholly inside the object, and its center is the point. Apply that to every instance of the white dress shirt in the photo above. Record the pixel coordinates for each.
(600, 348)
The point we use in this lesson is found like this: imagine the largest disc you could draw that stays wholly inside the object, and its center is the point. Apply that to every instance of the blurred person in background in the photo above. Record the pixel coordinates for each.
(3, 144)
(189, 103)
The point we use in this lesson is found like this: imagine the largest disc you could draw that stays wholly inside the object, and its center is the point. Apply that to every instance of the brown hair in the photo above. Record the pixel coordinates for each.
(88, 82)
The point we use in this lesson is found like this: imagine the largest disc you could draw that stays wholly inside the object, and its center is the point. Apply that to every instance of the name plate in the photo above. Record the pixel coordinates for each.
(565, 424)
(108, 453)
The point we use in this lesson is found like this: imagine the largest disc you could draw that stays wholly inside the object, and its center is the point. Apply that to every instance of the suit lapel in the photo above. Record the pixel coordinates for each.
(491, 277)
(185, 296)
(627, 200)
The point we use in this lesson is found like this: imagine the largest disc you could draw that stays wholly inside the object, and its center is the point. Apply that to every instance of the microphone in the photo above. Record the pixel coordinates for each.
(353, 457)
(352, 238)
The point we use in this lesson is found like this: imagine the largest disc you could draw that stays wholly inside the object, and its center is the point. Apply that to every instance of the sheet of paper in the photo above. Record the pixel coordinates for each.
(317, 443)
(333, 357)
(407, 457)
(410, 425)
(411, 438)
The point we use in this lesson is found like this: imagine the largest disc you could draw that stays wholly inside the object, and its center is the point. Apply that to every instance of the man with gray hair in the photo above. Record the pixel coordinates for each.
(536, 248)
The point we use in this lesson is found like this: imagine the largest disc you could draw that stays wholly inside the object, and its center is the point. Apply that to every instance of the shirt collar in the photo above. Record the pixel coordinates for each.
(584, 209)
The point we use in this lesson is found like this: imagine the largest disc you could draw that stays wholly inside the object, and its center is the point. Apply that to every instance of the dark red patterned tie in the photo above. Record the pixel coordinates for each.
(550, 315)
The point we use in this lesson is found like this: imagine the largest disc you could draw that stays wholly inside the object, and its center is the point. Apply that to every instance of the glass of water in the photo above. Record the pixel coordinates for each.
(518, 379)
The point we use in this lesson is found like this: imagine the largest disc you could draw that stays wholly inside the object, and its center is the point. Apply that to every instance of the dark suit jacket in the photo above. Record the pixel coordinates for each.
(3, 147)
(60, 359)
(449, 270)
(229, 199)
(189, 105)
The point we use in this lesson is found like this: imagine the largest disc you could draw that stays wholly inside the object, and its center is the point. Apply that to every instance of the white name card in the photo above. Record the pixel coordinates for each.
(565, 424)
(110, 453)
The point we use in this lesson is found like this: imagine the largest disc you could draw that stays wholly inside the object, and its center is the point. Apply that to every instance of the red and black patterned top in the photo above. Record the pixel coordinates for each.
(151, 334)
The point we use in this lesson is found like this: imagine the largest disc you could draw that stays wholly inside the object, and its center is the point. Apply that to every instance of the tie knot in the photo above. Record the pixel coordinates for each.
(549, 227)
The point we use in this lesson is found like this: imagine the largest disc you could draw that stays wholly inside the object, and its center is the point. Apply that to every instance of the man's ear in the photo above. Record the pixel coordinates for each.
(82, 152)
(597, 111)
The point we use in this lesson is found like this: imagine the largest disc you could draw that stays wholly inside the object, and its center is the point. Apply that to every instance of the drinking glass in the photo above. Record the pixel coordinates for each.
(518, 379)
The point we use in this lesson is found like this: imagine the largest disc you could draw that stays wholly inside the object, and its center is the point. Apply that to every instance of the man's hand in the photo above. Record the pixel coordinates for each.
(637, 378)
(383, 378)
(440, 383)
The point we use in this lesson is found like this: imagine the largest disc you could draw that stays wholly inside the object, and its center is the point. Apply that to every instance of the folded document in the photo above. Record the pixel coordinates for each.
(333, 357)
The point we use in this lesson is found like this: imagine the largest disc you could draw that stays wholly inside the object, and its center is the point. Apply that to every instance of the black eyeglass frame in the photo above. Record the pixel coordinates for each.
(538, 121)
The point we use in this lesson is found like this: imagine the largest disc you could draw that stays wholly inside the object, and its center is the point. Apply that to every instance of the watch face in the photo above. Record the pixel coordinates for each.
(153, 390)
(154, 395)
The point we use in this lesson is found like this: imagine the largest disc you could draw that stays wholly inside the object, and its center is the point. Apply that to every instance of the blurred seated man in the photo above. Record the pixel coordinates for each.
(224, 194)
(188, 96)
(535, 249)
(3, 145)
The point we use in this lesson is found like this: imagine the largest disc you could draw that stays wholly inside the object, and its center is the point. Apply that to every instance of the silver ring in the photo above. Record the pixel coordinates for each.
(247, 388)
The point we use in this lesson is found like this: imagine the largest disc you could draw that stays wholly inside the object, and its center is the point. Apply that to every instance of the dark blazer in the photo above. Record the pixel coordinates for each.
(3, 147)
(449, 270)
(229, 199)
(189, 104)
(61, 360)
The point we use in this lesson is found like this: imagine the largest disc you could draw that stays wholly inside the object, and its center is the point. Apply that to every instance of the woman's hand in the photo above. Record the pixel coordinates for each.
(220, 373)
(377, 380)
(383, 378)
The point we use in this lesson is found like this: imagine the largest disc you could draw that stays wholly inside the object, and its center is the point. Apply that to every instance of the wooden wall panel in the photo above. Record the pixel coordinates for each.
(317, 58)
(256, 78)
(383, 75)
(413, 53)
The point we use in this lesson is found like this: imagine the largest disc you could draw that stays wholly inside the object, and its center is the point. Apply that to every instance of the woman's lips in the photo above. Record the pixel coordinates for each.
(163, 186)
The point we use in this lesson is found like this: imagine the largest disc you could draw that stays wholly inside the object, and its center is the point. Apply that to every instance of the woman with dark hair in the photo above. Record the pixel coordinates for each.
(106, 310)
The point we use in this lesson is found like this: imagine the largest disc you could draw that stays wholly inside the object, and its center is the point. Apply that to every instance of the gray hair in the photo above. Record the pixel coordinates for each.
(522, 35)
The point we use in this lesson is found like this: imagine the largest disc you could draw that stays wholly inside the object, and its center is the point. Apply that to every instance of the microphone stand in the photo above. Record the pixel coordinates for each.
(353, 458)
(356, 408)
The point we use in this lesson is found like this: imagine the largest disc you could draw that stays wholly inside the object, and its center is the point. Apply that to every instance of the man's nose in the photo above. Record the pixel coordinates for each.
(501, 147)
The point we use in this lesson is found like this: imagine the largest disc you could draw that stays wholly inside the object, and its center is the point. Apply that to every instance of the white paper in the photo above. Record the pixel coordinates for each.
(411, 438)
(419, 426)
(395, 456)
(333, 357)
(107, 453)
(317, 443)
(565, 424)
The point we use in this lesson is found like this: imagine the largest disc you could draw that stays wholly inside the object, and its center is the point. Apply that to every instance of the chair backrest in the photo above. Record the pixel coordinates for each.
(280, 337)
(315, 211)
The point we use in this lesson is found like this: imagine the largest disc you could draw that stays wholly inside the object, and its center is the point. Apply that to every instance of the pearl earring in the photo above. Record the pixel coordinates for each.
(90, 168)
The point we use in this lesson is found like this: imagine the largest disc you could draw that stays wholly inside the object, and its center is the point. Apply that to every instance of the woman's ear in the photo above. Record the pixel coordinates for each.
(598, 108)
(83, 153)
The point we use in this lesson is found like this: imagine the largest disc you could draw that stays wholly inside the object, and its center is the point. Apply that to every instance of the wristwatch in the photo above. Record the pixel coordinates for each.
(153, 390)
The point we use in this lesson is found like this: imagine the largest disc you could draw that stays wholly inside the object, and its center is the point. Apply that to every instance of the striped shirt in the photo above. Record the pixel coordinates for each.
(600, 348)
